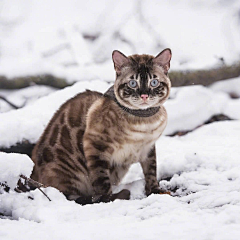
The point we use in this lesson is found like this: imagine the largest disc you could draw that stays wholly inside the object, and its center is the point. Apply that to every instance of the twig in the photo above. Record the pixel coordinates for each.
(28, 180)
(5, 186)
(11, 104)
(35, 184)
(44, 194)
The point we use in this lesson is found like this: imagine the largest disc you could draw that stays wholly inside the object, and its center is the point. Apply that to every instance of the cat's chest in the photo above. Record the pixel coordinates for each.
(137, 141)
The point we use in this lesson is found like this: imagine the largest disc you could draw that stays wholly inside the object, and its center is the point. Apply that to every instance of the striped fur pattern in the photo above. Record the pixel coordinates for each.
(90, 143)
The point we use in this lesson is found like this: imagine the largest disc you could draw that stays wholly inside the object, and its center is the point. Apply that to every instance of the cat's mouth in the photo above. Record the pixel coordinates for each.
(144, 105)
(145, 102)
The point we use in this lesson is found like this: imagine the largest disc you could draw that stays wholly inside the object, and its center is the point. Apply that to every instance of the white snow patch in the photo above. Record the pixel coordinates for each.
(227, 86)
(12, 166)
(192, 106)
(23, 97)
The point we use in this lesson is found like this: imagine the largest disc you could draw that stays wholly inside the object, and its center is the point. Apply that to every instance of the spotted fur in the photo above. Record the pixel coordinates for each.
(91, 141)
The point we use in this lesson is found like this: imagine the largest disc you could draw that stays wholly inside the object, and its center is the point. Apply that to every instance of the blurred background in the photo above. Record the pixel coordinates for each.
(59, 42)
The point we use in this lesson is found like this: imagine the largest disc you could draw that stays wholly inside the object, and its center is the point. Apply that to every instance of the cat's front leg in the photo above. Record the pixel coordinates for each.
(99, 178)
(150, 172)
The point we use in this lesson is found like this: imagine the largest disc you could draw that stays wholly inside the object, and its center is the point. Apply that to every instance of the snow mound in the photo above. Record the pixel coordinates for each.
(228, 86)
(192, 106)
(12, 166)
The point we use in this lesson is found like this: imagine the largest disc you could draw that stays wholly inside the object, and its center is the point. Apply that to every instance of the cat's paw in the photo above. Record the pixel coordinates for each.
(84, 200)
(101, 198)
(123, 195)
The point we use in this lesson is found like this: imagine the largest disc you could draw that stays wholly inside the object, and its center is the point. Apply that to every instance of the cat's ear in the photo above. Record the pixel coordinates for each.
(163, 59)
(119, 60)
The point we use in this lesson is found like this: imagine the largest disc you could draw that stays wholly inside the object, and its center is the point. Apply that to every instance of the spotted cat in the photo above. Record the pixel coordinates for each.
(92, 140)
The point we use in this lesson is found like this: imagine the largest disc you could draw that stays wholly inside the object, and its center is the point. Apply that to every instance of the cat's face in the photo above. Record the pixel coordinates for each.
(142, 80)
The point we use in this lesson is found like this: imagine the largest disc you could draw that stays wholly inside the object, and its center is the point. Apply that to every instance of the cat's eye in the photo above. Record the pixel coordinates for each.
(154, 83)
(132, 83)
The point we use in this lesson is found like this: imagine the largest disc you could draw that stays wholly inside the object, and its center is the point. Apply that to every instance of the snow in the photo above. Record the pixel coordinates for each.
(12, 166)
(37, 37)
(231, 86)
(204, 167)
(192, 101)
(227, 86)
(23, 97)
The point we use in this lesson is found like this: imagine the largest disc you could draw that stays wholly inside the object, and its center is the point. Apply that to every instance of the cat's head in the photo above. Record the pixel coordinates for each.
(142, 80)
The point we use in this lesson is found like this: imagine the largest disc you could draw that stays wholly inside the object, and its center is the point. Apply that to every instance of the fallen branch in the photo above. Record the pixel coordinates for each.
(178, 78)
(22, 82)
(204, 77)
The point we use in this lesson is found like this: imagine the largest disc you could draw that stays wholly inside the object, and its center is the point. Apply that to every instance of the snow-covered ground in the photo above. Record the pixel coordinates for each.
(75, 38)
(203, 168)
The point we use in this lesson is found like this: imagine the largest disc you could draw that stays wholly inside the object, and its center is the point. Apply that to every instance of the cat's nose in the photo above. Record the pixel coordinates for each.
(144, 97)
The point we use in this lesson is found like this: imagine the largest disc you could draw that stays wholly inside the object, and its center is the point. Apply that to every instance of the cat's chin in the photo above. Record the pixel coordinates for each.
(138, 107)
(144, 106)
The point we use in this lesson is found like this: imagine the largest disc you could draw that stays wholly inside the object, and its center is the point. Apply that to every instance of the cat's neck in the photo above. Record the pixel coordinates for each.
(136, 112)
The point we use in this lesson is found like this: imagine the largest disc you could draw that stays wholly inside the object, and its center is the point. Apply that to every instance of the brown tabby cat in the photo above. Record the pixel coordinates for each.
(92, 140)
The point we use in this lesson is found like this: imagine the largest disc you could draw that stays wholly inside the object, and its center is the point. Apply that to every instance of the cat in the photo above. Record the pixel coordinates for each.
(91, 141)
